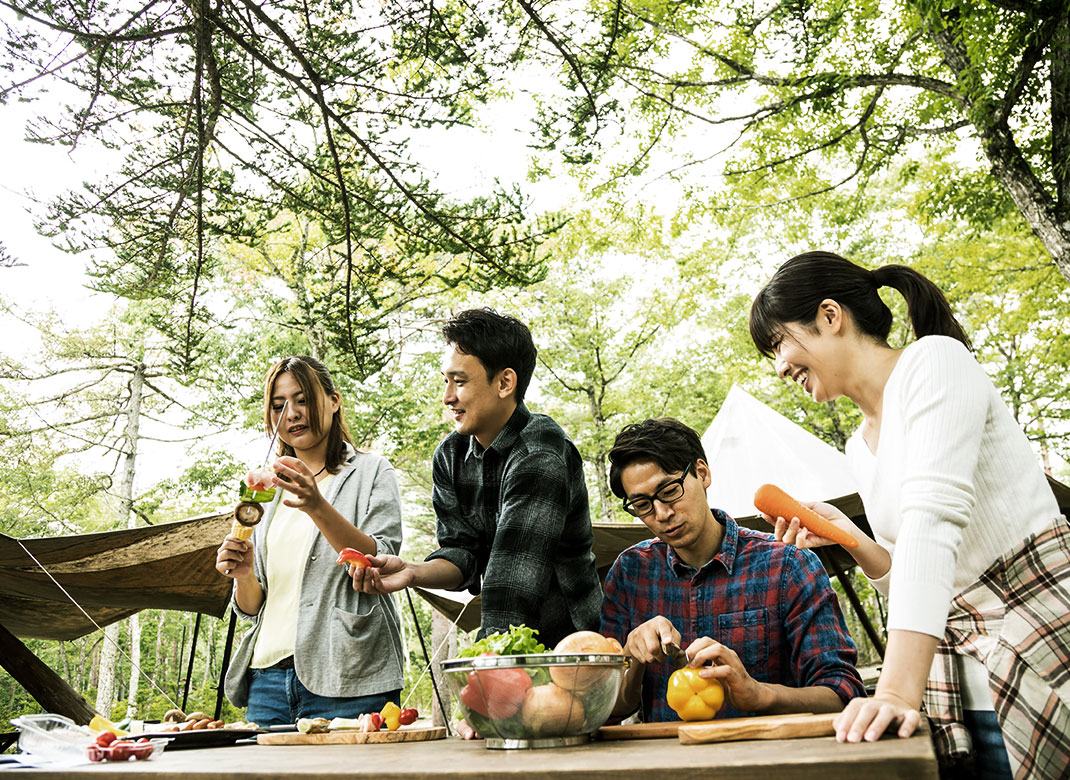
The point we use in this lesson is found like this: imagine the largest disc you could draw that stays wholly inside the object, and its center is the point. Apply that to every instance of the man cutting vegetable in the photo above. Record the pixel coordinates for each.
(509, 494)
(756, 615)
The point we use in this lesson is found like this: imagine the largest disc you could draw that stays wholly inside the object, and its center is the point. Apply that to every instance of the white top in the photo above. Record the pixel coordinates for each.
(288, 541)
(953, 485)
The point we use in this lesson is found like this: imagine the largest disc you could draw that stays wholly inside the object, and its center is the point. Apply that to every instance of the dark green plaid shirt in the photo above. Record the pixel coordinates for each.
(516, 514)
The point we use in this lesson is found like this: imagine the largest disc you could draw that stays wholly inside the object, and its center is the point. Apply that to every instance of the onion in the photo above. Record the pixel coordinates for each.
(576, 678)
(551, 711)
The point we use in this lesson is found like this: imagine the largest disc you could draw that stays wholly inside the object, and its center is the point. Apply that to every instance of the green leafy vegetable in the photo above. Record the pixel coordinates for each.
(518, 640)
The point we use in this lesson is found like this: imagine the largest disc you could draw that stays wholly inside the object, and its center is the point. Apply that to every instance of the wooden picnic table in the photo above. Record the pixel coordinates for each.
(818, 757)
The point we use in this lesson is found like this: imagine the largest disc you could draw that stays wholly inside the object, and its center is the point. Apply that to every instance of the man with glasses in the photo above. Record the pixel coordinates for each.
(758, 615)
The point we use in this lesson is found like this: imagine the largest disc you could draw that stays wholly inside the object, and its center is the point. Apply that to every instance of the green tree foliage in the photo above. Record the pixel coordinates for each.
(787, 99)
(225, 115)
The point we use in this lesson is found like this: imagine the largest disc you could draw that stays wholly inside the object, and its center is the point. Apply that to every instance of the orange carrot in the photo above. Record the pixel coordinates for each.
(776, 503)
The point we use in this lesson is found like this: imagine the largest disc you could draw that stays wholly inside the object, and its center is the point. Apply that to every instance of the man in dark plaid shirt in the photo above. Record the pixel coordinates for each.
(509, 494)
(759, 615)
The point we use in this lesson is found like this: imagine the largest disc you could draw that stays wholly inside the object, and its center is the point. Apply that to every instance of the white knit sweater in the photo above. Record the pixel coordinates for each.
(953, 485)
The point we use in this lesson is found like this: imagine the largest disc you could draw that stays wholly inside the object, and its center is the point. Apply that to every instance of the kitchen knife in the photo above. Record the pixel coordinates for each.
(677, 657)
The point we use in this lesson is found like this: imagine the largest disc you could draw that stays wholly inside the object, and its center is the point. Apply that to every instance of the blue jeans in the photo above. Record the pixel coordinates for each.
(277, 697)
(989, 752)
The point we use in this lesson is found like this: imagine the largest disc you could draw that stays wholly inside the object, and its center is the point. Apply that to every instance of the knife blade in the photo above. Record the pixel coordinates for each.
(677, 657)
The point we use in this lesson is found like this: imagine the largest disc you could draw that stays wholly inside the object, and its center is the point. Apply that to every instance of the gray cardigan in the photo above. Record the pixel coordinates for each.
(348, 643)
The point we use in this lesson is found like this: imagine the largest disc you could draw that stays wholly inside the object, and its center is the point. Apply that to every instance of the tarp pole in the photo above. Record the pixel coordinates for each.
(434, 685)
(192, 656)
(860, 612)
(226, 662)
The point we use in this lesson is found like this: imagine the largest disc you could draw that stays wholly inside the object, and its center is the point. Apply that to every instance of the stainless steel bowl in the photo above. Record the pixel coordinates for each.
(530, 701)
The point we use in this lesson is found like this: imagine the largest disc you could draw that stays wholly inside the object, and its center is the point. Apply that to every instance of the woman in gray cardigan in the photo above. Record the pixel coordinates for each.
(317, 648)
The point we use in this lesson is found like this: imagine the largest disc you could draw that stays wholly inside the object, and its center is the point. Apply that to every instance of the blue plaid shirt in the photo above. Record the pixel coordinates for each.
(516, 514)
(769, 602)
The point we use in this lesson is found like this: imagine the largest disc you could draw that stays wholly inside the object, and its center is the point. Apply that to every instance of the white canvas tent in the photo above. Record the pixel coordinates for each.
(749, 444)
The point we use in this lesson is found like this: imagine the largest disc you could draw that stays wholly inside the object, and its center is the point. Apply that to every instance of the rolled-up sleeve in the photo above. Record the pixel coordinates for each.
(822, 651)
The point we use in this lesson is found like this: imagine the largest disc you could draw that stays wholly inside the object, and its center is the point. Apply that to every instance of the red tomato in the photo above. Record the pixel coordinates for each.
(105, 738)
(141, 750)
(472, 696)
(119, 751)
(502, 690)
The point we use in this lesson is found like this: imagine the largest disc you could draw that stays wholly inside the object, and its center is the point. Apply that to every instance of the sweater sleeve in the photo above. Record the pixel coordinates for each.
(942, 402)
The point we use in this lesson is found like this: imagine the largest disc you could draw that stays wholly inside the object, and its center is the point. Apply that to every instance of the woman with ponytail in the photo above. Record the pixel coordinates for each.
(970, 547)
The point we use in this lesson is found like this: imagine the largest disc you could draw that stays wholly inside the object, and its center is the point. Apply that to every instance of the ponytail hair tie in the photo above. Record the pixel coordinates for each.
(879, 275)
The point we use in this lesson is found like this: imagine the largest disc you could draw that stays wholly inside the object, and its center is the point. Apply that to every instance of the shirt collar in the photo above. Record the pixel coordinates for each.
(726, 556)
(506, 437)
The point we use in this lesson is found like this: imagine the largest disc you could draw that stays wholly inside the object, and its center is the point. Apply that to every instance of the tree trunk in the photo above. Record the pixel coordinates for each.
(158, 671)
(440, 625)
(109, 652)
(605, 495)
(128, 518)
(1048, 218)
(66, 663)
(47, 688)
(135, 665)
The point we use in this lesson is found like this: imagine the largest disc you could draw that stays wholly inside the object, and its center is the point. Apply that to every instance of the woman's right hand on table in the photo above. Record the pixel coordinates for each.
(789, 531)
(234, 558)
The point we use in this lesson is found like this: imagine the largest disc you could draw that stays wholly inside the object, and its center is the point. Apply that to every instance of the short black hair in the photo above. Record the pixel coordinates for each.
(665, 441)
(498, 341)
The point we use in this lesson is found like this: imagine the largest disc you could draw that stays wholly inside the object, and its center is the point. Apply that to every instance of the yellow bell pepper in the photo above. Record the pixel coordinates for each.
(693, 697)
(391, 716)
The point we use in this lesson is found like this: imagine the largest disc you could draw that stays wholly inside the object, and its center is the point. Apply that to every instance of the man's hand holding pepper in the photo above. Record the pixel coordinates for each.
(722, 663)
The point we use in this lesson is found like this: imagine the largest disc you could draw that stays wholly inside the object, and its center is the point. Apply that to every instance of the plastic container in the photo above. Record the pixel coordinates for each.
(53, 739)
(59, 741)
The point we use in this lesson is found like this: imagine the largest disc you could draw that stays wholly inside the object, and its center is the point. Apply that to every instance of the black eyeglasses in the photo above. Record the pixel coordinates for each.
(669, 493)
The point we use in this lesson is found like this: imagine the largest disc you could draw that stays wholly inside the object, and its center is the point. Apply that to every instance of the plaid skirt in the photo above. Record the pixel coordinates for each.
(1016, 621)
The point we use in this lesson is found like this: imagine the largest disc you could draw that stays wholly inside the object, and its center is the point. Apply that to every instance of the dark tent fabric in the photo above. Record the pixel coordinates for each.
(112, 575)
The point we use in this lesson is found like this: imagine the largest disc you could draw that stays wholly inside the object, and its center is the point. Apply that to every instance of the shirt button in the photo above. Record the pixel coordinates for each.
(314, 557)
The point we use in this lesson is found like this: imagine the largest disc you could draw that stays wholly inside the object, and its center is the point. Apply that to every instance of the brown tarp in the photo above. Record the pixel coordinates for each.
(112, 575)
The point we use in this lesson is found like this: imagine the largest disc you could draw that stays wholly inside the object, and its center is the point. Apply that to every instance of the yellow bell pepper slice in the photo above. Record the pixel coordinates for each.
(693, 697)
(391, 716)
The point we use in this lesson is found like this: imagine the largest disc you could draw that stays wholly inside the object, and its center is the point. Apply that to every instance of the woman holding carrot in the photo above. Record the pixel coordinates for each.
(317, 648)
(970, 546)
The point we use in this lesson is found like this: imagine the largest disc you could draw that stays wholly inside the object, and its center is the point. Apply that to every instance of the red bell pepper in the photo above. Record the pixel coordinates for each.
(348, 555)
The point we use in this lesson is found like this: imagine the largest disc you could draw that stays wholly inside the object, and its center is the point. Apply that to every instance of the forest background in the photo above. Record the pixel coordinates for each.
(243, 181)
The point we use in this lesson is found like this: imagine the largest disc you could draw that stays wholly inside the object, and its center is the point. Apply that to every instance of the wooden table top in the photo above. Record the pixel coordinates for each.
(817, 757)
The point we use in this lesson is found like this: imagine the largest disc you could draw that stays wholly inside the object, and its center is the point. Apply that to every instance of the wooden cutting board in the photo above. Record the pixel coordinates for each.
(354, 737)
(664, 729)
(767, 727)
(657, 730)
